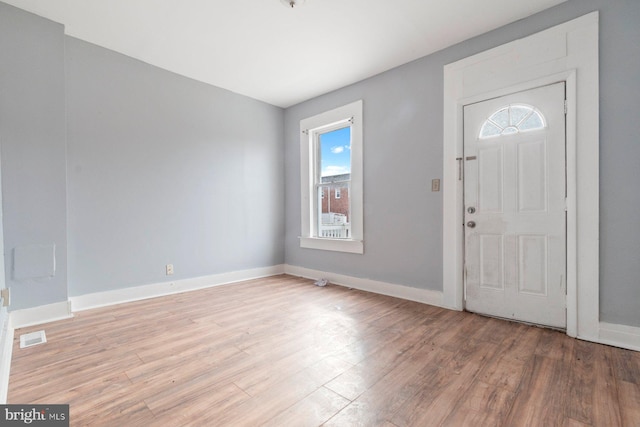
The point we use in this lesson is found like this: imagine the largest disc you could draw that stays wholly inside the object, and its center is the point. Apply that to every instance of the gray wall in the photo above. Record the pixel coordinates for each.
(619, 161)
(160, 168)
(163, 169)
(32, 140)
(403, 152)
(4, 314)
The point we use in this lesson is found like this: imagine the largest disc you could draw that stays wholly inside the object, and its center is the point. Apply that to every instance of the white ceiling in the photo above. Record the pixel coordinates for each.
(264, 50)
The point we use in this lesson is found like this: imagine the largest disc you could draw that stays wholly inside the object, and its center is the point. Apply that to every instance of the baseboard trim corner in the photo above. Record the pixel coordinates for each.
(39, 315)
(425, 296)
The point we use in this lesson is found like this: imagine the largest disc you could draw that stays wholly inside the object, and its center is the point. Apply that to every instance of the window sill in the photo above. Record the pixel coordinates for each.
(338, 245)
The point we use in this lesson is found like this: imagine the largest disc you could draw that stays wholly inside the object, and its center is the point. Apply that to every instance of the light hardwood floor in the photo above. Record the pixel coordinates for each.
(282, 352)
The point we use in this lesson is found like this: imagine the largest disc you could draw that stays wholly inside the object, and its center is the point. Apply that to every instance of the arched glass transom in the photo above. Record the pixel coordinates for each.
(513, 119)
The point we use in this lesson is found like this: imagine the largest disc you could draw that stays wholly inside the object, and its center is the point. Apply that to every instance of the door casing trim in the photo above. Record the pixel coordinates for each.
(567, 52)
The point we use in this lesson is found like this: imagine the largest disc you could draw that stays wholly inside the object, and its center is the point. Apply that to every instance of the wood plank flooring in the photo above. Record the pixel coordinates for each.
(282, 352)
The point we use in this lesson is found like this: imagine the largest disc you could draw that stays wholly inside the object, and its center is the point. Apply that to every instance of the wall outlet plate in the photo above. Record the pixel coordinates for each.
(435, 185)
(169, 269)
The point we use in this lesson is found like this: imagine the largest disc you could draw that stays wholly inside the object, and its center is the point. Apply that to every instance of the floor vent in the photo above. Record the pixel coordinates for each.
(34, 338)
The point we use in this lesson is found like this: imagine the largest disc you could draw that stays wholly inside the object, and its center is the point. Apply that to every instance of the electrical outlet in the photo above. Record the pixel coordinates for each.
(169, 269)
(435, 185)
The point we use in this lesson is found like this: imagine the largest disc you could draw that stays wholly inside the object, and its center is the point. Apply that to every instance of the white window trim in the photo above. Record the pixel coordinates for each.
(336, 193)
(351, 112)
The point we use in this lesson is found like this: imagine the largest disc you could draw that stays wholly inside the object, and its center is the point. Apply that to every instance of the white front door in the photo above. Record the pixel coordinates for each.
(514, 201)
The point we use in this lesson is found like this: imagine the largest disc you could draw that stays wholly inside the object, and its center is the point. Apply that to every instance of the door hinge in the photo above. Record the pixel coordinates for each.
(566, 106)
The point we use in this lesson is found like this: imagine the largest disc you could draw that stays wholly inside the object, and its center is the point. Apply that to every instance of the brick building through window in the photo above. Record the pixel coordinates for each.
(335, 196)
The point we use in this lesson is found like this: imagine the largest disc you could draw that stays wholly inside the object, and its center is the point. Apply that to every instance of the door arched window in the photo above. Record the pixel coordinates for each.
(512, 119)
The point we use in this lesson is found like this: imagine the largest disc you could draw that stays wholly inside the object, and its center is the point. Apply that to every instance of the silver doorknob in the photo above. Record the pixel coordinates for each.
(471, 224)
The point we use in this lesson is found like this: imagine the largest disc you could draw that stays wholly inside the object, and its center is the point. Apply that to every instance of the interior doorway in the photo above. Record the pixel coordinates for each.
(564, 53)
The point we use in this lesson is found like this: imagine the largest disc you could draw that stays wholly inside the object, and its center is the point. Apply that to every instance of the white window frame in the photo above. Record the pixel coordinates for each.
(336, 193)
(310, 128)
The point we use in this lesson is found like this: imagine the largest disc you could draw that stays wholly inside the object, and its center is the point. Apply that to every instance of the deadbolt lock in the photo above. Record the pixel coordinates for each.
(471, 209)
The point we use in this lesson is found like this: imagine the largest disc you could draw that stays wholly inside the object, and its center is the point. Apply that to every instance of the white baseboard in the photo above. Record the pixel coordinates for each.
(620, 336)
(6, 351)
(136, 293)
(425, 296)
(41, 314)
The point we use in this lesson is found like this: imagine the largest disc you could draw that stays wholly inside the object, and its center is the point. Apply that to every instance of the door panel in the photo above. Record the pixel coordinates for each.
(490, 175)
(491, 261)
(515, 249)
(532, 176)
(532, 264)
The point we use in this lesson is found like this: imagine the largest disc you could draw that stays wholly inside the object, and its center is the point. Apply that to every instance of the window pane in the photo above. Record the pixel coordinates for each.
(335, 152)
(335, 176)
(511, 120)
(533, 122)
(501, 117)
(334, 216)
(489, 129)
(518, 112)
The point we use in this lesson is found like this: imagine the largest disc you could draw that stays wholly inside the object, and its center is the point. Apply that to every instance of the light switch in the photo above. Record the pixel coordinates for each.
(435, 185)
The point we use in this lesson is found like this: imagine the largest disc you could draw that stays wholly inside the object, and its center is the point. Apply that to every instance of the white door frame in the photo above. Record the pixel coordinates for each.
(567, 52)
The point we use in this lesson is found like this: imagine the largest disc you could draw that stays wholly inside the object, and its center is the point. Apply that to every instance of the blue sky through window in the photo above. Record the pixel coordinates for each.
(335, 152)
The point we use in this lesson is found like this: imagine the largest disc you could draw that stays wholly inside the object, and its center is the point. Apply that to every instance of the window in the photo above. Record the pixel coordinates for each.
(331, 161)
(512, 119)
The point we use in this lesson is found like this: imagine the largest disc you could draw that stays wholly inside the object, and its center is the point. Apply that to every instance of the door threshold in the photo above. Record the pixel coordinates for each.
(537, 325)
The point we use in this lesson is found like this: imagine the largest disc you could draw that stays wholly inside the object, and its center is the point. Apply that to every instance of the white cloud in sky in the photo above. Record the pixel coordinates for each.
(334, 170)
(337, 149)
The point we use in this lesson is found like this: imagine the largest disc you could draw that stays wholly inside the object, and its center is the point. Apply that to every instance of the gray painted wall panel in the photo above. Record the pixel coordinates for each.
(164, 169)
(403, 152)
(32, 139)
(619, 160)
